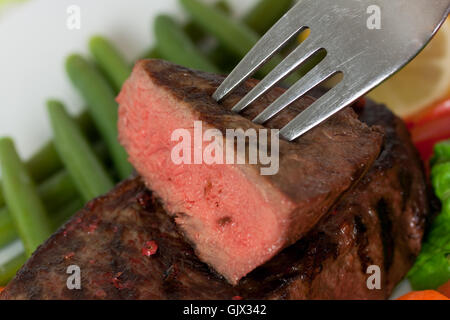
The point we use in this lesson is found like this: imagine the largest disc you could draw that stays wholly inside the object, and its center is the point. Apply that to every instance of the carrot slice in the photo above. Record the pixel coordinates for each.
(424, 295)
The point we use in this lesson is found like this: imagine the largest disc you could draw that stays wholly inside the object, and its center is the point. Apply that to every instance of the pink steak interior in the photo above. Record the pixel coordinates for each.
(233, 224)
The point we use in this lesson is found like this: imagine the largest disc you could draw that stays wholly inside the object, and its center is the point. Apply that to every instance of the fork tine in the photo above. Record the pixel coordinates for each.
(323, 108)
(313, 78)
(289, 64)
(265, 48)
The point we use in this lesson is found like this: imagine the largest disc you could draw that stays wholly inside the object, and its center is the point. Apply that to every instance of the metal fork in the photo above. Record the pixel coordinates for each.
(364, 55)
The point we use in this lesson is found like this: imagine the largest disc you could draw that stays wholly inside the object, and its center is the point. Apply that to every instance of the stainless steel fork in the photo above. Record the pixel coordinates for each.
(364, 52)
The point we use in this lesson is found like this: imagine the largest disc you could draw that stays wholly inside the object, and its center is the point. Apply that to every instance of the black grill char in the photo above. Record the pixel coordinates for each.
(381, 221)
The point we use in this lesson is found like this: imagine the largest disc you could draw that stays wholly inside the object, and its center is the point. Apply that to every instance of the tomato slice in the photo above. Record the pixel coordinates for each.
(440, 109)
(426, 136)
(429, 127)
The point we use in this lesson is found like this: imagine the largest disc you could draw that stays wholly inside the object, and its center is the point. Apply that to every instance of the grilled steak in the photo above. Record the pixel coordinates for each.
(380, 222)
(127, 247)
(236, 218)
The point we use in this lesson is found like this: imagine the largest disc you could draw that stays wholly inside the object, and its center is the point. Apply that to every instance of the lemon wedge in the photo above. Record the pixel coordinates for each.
(425, 80)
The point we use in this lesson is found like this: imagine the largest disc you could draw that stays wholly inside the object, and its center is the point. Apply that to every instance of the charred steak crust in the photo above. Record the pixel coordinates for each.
(106, 239)
(314, 171)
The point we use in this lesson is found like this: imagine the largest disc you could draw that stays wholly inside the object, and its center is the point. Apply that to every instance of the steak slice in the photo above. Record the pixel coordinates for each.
(379, 222)
(236, 218)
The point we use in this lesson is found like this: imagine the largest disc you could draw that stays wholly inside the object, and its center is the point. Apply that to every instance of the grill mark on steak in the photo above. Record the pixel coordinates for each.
(362, 242)
(320, 247)
(405, 180)
(382, 209)
(280, 272)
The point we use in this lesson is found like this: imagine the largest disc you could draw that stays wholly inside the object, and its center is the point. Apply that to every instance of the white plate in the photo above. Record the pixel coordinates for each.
(35, 40)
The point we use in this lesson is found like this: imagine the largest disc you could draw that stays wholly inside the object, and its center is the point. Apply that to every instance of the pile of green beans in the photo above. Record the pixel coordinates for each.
(85, 159)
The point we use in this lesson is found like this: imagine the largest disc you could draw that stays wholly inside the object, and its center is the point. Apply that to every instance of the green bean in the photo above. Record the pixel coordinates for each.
(217, 54)
(195, 32)
(235, 35)
(175, 46)
(265, 13)
(152, 53)
(2, 198)
(55, 193)
(66, 212)
(86, 170)
(46, 161)
(221, 58)
(58, 215)
(7, 230)
(27, 210)
(110, 61)
(260, 18)
(102, 106)
(57, 190)
(9, 269)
